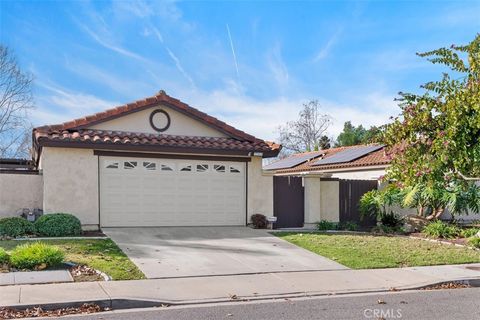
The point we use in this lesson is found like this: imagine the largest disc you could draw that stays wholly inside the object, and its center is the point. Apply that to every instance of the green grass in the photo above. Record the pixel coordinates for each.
(366, 251)
(100, 254)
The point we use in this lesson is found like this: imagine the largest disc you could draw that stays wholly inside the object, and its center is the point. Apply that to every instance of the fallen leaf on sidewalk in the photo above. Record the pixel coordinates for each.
(233, 296)
(380, 301)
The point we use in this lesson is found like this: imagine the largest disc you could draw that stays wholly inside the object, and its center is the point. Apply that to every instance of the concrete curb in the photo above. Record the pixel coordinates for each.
(123, 303)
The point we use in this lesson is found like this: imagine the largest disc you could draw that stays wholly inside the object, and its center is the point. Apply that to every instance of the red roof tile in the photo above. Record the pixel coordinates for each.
(76, 132)
(160, 98)
(154, 142)
(376, 158)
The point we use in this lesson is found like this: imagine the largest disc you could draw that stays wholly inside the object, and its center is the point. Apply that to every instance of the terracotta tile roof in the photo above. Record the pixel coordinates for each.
(76, 133)
(104, 139)
(160, 98)
(376, 158)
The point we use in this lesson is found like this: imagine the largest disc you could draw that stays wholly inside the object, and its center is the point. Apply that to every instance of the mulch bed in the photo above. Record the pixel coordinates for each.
(82, 273)
(87, 308)
(448, 285)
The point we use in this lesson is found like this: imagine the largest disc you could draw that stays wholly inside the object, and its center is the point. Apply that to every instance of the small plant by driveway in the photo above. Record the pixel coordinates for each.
(366, 251)
(100, 254)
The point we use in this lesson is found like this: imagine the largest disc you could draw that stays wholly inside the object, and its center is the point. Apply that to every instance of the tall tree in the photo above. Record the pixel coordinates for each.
(305, 133)
(15, 102)
(435, 141)
(351, 135)
(324, 143)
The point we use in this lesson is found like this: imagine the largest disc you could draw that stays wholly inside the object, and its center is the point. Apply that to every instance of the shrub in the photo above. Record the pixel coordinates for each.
(31, 255)
(469, 232)
(326, 225)
(58, 225)
(440, 229)
(259, 221)
(391, 219)
(349, 226)
(475, 242)
(382, 229)
(4, 257)
(15, 227)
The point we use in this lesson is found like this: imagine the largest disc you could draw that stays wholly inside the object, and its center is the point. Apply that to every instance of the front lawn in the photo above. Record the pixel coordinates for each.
(100, 254)
(366, 251)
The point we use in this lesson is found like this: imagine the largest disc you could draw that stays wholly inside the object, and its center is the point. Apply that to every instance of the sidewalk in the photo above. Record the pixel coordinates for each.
(155, 292)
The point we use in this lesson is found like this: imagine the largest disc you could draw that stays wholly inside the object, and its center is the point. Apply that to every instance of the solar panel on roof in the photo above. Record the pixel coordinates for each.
(292, 161)
(348, 155)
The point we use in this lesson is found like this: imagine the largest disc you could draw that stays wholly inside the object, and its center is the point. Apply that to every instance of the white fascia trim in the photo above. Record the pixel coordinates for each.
(326, 173)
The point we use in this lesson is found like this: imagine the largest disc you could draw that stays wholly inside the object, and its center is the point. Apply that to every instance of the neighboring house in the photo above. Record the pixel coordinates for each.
(363, 162)
(153, 162)
(333, 181)
(320, 181)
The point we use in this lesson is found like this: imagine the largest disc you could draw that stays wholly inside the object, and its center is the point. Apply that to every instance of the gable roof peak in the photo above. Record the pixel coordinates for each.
(160, 97)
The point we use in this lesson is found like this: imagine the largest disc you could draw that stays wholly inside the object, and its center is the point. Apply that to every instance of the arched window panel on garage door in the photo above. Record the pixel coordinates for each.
(109, 164)
(129, 165)
(202, 167)
(167, 167)
(149, 166)
(220, 168)
(235, 169)
(185, 167)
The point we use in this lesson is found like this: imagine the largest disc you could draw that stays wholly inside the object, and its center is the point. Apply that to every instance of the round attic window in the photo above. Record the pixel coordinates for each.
(159, 120)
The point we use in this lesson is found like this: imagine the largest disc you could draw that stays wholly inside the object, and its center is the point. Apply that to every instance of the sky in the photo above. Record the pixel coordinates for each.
(251, 64)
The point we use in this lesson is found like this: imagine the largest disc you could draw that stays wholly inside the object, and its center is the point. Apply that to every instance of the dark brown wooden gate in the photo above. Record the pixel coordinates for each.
(350, 193)
(288, 202)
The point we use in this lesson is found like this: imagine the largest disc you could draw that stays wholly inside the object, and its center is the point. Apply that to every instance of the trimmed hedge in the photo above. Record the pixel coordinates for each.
(16, 227)
(32, 255)
(4, 257)
(58, 225)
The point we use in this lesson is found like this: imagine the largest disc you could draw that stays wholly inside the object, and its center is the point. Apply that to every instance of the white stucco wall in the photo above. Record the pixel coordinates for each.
(140, 122)
(18, 191)
(312, 200)
(260, 190)
(321, 200)
(329, 200)
(71, 183)
(360, 174)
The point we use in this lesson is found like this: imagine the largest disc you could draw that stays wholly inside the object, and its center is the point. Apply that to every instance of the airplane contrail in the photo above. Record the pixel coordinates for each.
(233, 51)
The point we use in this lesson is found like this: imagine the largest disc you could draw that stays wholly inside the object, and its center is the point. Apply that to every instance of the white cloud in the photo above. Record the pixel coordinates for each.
(277, 65)
(111, 46)
(325, 50)
(262, 117)
(60, 104)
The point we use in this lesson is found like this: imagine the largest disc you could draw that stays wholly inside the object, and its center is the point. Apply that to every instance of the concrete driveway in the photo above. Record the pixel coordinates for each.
(204, 251)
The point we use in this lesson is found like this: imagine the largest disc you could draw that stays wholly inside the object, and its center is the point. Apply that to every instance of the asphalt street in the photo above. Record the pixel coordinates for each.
(454, 304)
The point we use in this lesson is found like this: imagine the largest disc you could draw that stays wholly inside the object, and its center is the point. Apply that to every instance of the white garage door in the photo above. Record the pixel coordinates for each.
(164, 192)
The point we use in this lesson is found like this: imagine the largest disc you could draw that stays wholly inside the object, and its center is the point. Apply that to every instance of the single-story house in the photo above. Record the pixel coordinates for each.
(326, 183)
(153, 162)
(333, 181)
(361, 162)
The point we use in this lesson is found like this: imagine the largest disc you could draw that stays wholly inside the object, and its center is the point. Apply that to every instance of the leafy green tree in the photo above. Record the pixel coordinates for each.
(324, 143)
(351, 135)
(434, 143)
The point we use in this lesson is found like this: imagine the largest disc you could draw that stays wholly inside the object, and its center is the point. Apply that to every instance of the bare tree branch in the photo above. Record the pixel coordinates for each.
(16, 101)
(304, 134)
